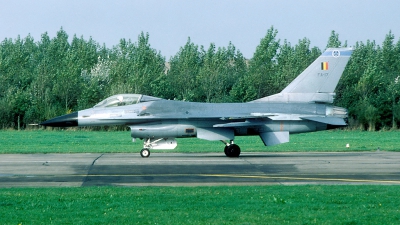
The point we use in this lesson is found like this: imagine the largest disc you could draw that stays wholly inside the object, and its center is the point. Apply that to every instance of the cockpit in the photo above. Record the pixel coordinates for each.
(125, 99)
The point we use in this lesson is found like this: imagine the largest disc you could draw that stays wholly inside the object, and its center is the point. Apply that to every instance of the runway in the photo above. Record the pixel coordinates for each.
(200, 169)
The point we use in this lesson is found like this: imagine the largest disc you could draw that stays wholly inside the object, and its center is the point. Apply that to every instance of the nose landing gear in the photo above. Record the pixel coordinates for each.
(145, 153)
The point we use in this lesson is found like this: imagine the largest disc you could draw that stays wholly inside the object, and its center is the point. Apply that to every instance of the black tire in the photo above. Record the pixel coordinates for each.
(145, 153)
(227, 152)
(232, 150)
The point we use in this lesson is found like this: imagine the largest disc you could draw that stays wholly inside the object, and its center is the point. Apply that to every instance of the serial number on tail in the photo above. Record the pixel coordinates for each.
(322, 74)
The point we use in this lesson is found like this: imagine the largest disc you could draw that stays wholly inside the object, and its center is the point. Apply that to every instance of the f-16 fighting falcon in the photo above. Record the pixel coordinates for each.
(305, 105)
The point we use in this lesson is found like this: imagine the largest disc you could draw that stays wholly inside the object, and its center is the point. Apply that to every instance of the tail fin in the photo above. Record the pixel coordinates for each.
(317, 83)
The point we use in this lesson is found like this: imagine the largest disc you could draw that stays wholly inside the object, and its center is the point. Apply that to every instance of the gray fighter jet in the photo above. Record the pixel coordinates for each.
(305, 105)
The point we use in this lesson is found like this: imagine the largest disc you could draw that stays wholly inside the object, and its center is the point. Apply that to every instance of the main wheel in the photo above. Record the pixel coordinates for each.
(232, 150)
(145, 153)
(227, 153)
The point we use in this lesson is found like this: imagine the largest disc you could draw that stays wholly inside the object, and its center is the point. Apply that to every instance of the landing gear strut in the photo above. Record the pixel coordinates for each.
(147, 145)
(157, 143)
(231, 149)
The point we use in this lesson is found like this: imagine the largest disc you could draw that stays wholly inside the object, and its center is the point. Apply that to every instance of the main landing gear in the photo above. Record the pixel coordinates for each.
(231, 149)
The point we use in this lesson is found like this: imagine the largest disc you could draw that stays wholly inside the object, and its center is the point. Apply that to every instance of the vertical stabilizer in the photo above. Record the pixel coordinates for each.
(317, 83)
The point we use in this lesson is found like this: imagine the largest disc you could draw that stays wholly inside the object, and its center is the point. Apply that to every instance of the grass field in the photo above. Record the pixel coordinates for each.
(41, 141)
(361, 204)
(202, 205)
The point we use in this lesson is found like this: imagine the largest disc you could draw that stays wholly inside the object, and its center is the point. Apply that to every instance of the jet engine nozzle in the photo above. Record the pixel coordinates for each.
(336, 111)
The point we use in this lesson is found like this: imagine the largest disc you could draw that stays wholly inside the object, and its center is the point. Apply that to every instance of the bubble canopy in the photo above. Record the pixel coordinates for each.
(125, 99)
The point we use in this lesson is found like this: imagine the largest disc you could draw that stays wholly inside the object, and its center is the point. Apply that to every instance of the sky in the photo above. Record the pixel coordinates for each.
(170, 23)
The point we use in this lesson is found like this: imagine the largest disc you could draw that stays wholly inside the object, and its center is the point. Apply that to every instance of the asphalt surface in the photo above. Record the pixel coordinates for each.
(175, 169)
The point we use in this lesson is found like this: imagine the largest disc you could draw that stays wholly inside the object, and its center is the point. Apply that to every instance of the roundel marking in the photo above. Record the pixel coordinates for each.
(336, 53)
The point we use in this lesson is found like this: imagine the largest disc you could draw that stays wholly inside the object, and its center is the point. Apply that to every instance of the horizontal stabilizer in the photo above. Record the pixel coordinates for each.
(327, 120)
(215, 134)
(274, 138)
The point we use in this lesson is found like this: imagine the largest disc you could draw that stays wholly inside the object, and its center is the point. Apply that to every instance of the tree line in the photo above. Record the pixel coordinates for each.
(51, 77)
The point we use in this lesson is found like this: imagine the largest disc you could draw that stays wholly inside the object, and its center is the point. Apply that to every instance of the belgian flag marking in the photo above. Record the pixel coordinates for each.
(324, 65)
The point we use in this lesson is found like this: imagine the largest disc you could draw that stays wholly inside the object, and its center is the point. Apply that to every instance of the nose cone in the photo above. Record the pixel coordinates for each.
(69, 120)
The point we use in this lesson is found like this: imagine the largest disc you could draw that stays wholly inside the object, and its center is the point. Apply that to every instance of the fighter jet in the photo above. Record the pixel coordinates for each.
(305, 105)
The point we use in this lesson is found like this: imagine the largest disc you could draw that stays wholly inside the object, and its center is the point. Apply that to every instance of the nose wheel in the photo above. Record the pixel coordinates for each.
(145, 153)
(147, 145)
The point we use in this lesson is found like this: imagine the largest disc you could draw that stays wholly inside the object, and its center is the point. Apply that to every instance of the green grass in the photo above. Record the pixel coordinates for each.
(41, 141)
(202, 205)
(361, 204)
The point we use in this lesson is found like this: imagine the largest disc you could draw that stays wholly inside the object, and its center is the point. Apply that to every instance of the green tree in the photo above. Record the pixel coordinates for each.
(95, 83)
(43, 106)
(58, 82)
(346, 95)
(368, 87)
(395, 87)
(394, 90)
(261, 78)
(262, 65)
(81, 56)
(136, 67)
(183, 72)
(334, 42)
(355, 88)
(387, 62)
(64, 81)
(17, 63)
(220, 70)
(40, 80)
